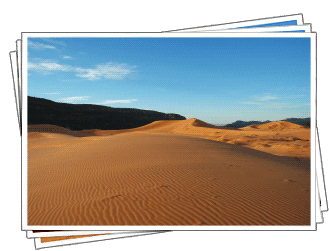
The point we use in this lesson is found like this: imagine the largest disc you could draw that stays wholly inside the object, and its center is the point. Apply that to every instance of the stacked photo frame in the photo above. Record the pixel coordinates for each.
(177, 210)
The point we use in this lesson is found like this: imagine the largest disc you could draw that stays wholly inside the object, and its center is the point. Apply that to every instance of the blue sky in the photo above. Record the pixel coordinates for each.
(217, 80)
(284, 23)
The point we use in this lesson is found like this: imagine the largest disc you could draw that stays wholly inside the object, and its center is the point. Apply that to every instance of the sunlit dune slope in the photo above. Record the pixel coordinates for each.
(279, 138)
(161, 177)
(278, 125)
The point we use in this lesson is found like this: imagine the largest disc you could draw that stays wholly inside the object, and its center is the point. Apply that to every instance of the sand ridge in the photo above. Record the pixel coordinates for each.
(278, 125)
(279, 138)
(165, 173)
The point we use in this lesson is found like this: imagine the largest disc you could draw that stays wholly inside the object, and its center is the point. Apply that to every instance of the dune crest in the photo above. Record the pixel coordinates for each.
(279, 138)
(277, 125)
(200, 123)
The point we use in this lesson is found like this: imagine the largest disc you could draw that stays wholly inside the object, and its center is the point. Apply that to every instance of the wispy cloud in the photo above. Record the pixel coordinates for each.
(283, 105)
(265, 100)
(53, 41)
(40, 46)
(67, 57)
(298, 96)
(260, 99)
(74, 99)
(106, 102)
(46, 67)
(251, 103)
(103, 71)
(70, 80)
(51, 93)
(265, 97)
(107, 71)
(271, 101)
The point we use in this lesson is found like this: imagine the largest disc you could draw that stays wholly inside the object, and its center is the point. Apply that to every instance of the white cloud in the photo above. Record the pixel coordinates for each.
(40, 46)
(263, 101)
(106, 71)
(53, 41)
(265, 97)
(106, 102)
(270, 101)
(274, 106)
(46, 67)
(74, 99)
(251, 103)
(283, 105)
(67, 57)
(70, 80)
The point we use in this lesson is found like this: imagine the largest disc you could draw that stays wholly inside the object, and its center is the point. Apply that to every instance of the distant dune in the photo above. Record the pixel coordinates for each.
(279, 138)
(183, 172)
(279, 125)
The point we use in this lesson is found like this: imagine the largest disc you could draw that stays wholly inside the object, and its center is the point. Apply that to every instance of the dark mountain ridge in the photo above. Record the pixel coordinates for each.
(78, 117)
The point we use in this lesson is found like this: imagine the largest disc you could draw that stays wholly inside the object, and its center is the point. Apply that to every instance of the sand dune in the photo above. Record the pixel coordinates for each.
(280, 138)
(167, 173)
(278, 125)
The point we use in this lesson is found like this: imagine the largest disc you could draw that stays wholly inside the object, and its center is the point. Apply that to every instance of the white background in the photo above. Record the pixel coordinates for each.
(145, 16)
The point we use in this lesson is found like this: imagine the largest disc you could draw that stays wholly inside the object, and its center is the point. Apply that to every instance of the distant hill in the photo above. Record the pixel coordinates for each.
(240, 123)
(298, 121)
(301, 121)
(78, 117)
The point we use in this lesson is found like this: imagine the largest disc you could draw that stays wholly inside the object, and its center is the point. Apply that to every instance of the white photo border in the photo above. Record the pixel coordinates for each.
(80, 240)
(27, 35)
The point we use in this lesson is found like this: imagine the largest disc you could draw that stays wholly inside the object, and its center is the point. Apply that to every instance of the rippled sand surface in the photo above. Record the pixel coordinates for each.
(170, 173)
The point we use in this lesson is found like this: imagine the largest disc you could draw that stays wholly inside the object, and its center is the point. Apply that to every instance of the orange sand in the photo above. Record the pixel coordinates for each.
(170, 173)
(61, 238)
